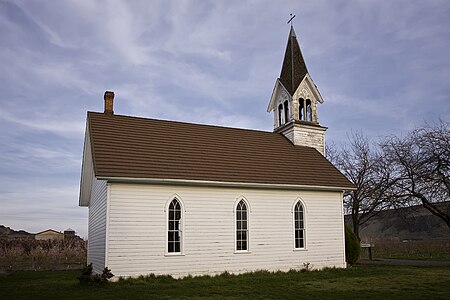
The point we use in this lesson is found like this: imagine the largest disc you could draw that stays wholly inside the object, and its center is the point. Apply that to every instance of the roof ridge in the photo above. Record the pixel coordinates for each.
(182, 122)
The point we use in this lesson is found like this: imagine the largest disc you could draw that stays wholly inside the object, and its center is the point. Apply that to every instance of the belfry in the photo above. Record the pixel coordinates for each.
(294, 100)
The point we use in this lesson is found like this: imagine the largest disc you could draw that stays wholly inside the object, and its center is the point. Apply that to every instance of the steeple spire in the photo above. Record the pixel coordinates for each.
(294, 68)
(295, 98)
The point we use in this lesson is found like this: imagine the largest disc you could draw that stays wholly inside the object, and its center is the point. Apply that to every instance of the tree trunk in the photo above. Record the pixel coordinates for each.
(355, 222)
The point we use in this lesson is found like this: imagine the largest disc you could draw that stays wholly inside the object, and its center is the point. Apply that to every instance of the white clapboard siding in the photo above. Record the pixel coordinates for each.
(97, 225)
(137, 230)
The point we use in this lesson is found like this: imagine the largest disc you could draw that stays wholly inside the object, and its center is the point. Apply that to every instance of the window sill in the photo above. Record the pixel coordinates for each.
(242, 252)
(300, 249)
(174, 254)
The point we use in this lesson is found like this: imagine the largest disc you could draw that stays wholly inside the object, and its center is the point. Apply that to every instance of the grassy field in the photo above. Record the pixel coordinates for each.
(360, 282)
(421, 249)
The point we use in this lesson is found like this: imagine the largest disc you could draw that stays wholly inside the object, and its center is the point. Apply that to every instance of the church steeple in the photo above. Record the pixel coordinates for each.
(295, 98)
(294, 68)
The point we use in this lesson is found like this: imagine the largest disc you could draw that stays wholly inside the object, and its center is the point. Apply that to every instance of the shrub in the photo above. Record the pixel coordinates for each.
(106, 274)
(352, 249)
(86, 274)
(87, 277)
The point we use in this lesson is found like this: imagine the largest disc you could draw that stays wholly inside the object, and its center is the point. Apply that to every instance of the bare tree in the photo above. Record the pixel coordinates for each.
(364, 166)
(419, 165)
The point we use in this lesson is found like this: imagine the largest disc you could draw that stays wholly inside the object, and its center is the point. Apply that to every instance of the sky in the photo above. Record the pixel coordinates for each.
(382, 67)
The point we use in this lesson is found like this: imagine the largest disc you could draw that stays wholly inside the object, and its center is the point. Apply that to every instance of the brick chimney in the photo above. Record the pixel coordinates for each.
(109, 102)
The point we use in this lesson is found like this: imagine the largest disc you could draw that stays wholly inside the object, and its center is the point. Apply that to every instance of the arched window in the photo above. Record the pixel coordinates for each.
(241, 227)
(299, 223)
(174, 227)
(280, 115)
(308, 111)
(286, 111)
(301, 108)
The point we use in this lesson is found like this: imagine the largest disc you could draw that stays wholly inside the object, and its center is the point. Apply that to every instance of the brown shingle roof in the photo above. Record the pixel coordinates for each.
(134, 147)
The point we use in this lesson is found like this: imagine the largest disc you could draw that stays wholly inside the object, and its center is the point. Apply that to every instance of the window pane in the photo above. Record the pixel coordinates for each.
(174, 219)
(241, 226)
(299, 225)
(244, 245)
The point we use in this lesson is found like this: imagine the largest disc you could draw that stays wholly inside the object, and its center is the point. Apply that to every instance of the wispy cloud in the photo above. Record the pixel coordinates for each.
(47, 123)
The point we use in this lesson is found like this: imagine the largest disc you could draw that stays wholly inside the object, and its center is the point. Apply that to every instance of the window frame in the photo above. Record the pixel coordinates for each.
(286, 111)
(299, 200)
(248, 208)
(308, 110)
(181, 226)
(281, 120)
(301, 109)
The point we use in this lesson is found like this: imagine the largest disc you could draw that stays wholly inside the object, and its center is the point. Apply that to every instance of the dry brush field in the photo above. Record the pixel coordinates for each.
(31, 254)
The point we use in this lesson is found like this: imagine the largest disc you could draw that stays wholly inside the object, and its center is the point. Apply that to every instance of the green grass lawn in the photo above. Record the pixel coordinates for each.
(360, 282)
(419, 250)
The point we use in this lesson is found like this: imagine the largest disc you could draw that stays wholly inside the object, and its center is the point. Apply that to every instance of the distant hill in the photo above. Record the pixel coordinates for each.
(6, 232)
(412, 223)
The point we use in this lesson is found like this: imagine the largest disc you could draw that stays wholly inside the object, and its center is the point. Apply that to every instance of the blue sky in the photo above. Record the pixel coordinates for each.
(382, 68)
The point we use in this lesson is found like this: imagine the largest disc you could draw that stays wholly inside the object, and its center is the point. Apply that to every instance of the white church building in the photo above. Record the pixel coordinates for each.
(177, 198)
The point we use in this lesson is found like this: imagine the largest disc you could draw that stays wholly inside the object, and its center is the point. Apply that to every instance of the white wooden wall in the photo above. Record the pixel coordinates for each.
(310, 137)
(97, 225)
(136, 242)
(305, 135)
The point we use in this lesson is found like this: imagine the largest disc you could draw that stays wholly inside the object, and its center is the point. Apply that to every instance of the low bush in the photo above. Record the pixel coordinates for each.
(88, 278)
(352, 248)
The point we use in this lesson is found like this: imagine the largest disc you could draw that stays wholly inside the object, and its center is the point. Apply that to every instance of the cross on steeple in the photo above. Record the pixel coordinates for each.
(291, 19)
